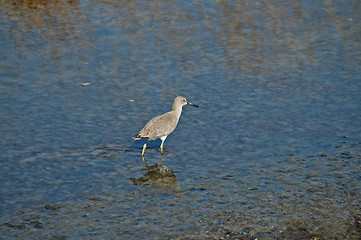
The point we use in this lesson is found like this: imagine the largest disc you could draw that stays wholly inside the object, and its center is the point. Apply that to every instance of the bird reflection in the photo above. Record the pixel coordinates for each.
(158, 175)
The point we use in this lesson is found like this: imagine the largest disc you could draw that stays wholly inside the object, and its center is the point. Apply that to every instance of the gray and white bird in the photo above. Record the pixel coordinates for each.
(163, 125)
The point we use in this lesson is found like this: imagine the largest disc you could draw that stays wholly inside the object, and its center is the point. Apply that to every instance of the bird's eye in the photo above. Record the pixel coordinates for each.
(184, 100)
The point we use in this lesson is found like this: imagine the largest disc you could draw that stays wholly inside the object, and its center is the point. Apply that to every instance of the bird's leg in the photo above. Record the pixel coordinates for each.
(145, 164)
(144, 147)
(161, 146)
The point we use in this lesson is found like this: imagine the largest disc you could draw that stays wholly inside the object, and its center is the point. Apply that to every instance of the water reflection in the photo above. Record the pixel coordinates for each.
(158, 175)
(241, 33)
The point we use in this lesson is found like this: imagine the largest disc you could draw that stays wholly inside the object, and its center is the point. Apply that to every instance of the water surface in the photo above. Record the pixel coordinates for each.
(273, 151)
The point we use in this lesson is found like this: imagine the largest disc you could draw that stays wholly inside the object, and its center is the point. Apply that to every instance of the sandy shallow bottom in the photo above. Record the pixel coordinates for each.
(312, 197)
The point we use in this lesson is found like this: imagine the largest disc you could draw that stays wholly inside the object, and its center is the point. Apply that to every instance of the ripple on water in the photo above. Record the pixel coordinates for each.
(303, 198)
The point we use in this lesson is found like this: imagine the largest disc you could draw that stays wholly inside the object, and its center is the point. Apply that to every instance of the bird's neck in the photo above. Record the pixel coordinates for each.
(177, 111)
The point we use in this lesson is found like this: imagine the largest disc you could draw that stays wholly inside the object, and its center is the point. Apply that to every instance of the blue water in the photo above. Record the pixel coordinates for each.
(275, 142)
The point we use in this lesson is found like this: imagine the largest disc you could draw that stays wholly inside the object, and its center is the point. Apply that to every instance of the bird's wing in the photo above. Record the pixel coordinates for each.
(159, 126)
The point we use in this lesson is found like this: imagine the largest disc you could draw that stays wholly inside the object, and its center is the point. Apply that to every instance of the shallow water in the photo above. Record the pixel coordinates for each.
(274, 151)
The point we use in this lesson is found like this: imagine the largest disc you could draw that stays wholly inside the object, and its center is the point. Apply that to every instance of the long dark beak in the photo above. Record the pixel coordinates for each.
(189, 103)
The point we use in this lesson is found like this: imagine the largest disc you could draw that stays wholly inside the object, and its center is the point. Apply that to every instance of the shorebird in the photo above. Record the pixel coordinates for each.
(163, 125)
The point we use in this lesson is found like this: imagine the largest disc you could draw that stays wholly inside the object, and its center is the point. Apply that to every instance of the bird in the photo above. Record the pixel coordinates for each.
(163, 125)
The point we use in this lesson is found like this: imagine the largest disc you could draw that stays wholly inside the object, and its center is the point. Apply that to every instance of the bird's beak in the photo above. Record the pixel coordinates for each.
(189, 103)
